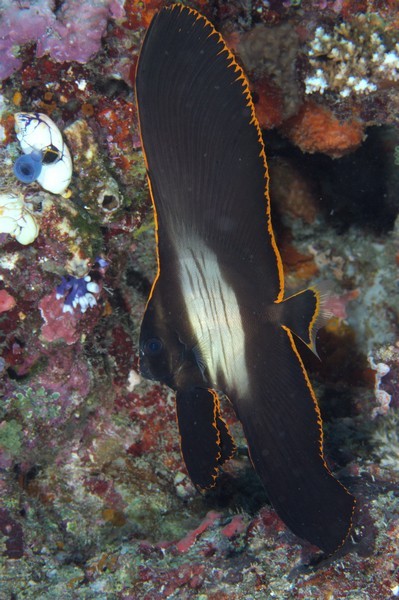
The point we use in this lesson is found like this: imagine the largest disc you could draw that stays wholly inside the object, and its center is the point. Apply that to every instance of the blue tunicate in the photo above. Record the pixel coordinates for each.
(77, 291)
(74, 287)
(101, 262)
(27, 167)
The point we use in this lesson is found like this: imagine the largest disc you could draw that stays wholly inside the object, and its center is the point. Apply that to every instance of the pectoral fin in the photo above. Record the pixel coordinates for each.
(301, 314)
(204, 437)
(282, 424)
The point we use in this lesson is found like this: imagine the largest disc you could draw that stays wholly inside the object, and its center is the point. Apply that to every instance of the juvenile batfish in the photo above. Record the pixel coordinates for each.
(217, 319)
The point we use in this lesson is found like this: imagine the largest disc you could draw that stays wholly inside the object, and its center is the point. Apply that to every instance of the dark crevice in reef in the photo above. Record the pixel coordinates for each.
(359, 189)
(243, 493)
(113, 88)
(136, 279)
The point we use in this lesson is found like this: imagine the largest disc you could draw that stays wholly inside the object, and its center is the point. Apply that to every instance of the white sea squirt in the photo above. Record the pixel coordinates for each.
(37, 132)
(16, 219)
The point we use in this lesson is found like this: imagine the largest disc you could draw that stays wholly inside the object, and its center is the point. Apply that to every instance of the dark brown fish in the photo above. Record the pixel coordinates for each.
(217, 319)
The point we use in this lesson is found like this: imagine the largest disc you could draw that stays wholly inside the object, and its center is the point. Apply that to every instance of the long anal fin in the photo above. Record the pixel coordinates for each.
(283, 428)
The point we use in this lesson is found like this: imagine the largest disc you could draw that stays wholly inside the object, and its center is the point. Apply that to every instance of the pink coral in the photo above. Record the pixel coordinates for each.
(336, 305)
(79, 38)
(6, 301)
(184, 544)
(57, 324)
(74, 33)
(21, 26)
(235, 527)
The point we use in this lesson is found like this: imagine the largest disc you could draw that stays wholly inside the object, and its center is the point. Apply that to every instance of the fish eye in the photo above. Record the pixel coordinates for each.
(153, 346)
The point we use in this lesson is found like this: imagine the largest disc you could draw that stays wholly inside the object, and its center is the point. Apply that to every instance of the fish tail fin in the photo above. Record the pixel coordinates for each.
(304, 314)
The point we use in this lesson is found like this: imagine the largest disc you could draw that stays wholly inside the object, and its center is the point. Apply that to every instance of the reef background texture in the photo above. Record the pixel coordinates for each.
(95, 502)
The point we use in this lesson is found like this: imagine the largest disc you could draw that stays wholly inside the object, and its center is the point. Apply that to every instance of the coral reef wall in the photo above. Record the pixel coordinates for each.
(95, 501)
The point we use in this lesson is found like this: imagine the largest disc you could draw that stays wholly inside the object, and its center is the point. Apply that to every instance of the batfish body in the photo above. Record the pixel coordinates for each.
(217, 320)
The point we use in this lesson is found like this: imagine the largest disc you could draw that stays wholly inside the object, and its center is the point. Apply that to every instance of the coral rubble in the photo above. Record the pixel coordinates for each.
(353, 58)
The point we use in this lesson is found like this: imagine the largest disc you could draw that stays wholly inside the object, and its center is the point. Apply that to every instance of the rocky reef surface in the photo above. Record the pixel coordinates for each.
(95, 501)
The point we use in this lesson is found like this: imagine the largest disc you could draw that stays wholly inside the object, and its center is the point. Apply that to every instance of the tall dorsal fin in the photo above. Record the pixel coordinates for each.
(203, 148)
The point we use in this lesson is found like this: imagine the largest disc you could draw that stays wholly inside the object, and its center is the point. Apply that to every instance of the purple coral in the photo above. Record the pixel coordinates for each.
(21, 24)
(101, 262)
(73, 33)
(77, 291)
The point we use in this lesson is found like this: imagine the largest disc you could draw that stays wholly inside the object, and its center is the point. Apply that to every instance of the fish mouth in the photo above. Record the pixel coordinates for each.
(146, 372)
(144, 368)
